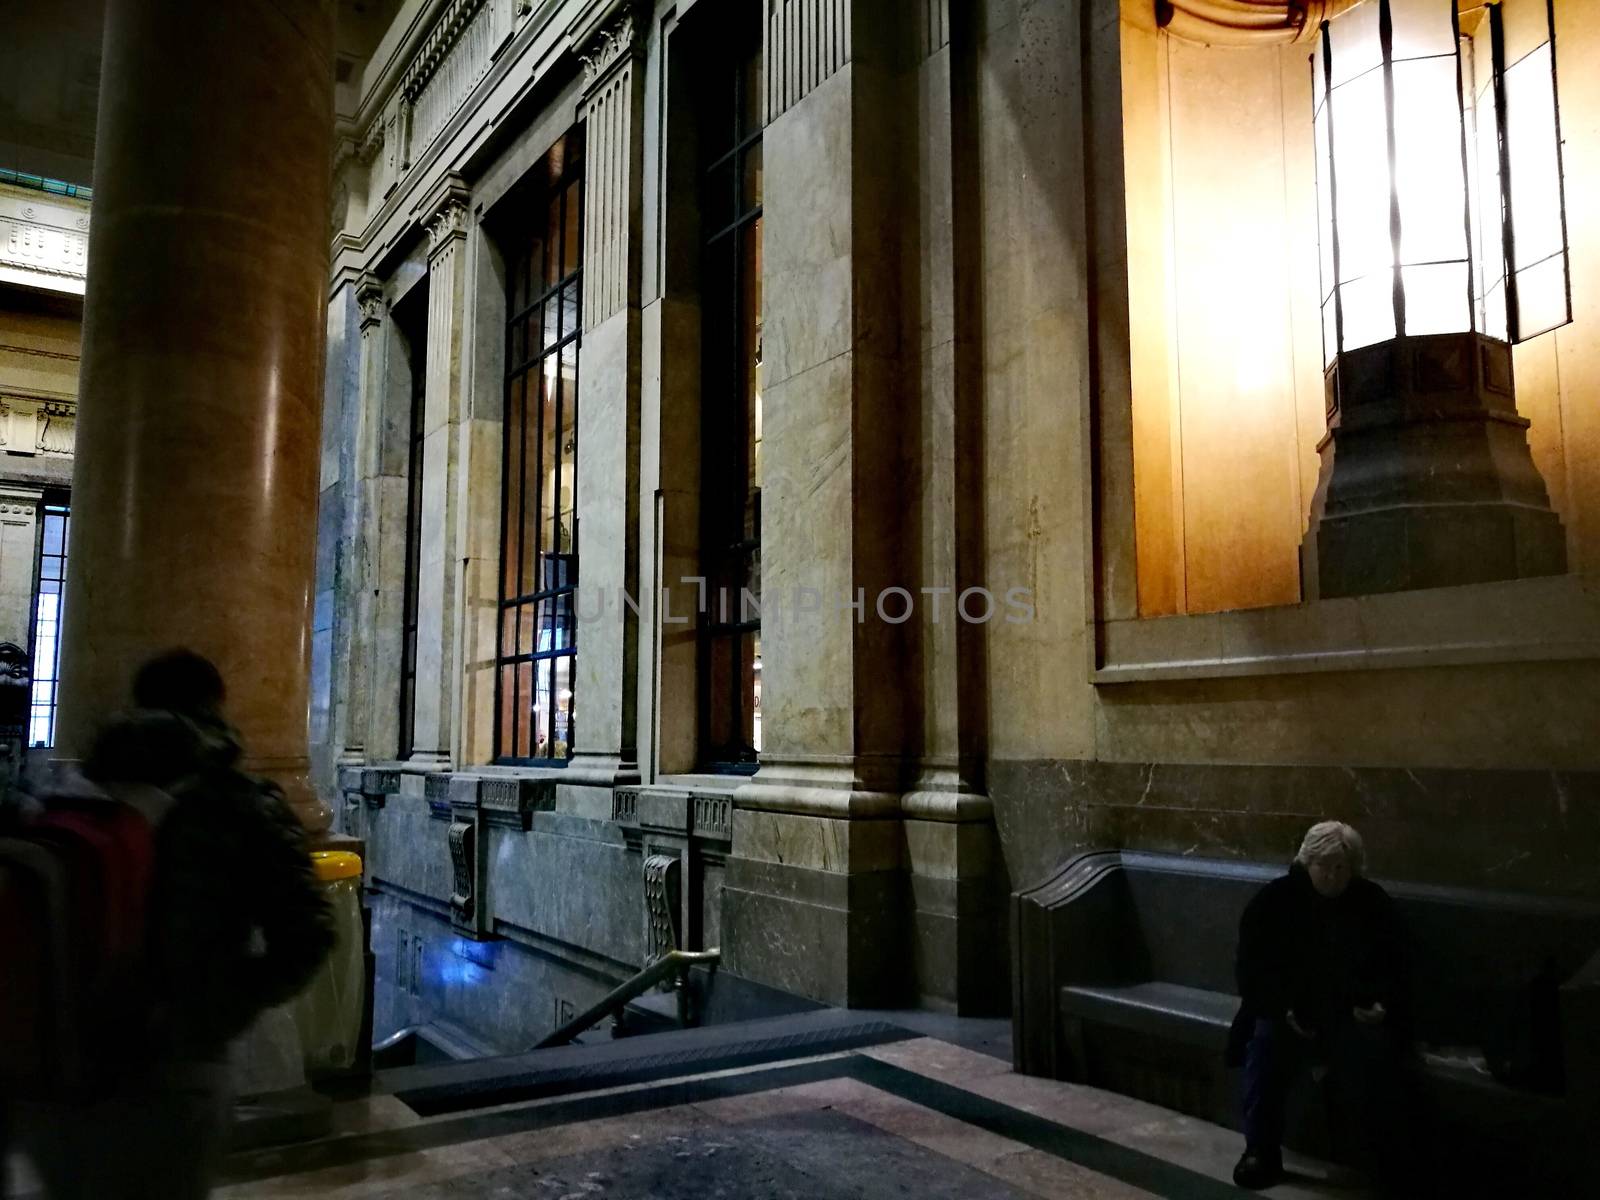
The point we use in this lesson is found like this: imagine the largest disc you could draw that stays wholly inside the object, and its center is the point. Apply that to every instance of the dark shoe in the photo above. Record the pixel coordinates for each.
(1256, 1170)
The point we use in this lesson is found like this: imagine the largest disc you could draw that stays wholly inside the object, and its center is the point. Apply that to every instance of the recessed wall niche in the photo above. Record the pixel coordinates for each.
(1224, 332)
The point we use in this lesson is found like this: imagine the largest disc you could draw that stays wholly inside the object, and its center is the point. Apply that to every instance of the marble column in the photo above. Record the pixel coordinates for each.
(353, 698)
(445, 214)
(952, 850)
(818, 853)
(605, 692)
(195, 485)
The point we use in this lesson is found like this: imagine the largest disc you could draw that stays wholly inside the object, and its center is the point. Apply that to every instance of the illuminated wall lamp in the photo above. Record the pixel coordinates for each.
(1443, 242)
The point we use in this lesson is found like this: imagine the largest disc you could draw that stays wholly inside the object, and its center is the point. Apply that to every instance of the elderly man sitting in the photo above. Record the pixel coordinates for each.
(1321, 971)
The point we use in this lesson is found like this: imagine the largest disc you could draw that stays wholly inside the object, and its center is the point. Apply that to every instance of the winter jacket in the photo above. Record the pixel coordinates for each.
(1301, 952)
(235, 923)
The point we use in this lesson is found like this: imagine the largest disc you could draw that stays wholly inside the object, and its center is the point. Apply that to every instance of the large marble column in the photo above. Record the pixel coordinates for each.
(818, 854)
(445, 214)
(195, 486)
(353, 701)
(606, 689)
(952, 850)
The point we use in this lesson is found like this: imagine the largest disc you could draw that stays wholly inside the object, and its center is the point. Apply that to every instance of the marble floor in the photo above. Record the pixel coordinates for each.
(918, 1118)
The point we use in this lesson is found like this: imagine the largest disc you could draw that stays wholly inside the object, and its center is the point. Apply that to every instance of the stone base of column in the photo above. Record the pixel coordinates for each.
(1427, 479)
(427, 760)
(958, 891)
(598, 769)
(861, 896)
(817, 906)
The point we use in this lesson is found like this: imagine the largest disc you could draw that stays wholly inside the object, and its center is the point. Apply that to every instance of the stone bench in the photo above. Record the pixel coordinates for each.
(1123, 977)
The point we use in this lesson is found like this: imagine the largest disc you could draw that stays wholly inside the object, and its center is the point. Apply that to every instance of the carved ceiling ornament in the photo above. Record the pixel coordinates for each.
(607, 48)
(1246, 22)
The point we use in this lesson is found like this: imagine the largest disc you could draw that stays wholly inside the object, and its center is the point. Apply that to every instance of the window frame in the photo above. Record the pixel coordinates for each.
(725, 555)
(560, 597)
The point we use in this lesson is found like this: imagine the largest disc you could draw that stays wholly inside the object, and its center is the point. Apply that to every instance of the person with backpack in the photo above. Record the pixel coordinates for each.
(185, 891)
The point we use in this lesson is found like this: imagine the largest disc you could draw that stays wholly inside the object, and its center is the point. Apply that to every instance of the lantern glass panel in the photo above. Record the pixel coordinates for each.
(1422, 28)
(1357, 47)
(1538, 236)
(1428, 164)
(1363, 212)
(1483, 154)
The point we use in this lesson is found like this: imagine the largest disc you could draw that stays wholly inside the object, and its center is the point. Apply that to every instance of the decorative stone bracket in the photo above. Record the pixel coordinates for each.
(468, 912)
(663, 900)
(473, 804)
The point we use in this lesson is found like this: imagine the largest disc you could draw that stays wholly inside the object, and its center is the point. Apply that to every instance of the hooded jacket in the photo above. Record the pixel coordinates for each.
(1301, 952)
(235, 922)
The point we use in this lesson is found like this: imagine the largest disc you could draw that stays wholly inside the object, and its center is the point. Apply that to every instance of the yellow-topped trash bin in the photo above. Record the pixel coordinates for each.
(328, 1013)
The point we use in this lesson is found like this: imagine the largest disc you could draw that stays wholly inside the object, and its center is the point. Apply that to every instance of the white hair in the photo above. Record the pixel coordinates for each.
(1328, 838)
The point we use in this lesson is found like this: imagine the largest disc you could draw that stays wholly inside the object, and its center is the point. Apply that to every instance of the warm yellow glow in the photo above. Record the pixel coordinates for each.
(1418, 242)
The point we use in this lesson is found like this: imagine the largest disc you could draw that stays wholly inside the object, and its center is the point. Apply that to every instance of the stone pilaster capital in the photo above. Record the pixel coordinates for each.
(615, 42)
(369, 295)
(444, 212)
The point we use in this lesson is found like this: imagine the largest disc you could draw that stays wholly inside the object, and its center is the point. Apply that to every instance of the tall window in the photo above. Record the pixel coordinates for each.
(730, 536)
(418, 345)
(50, 577)
(539, 552)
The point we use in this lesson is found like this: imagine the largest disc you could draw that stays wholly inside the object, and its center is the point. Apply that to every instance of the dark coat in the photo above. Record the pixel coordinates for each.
(1318, 958)
(235, 922)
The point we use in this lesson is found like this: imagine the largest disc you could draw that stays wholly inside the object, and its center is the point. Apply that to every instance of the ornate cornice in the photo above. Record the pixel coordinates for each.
(447, 31)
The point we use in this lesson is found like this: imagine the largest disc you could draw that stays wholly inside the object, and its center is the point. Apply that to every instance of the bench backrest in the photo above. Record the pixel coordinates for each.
(1475, 953)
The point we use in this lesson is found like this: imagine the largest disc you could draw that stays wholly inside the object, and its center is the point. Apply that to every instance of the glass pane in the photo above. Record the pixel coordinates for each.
(1361, 163)
(551, 275)
(719, 731)
(551, 324)
(542, 708)
(569, 309)
(1330, 333)
(755, 706)
(536, 471)
(1494, 311)
(509, 708)
(1542, 297)
(566, 505)
(546, 479)
(573, 234)
(528, 631)
(719, 202)
(1428, 163)
(1324, 204)
(513, 495)
(752, 108)
(1368, 310)
(561, 698)
(55, 529)
(1437, 300)
(1422, 28)
(530, 735)
(1354, 45)
(1527, 27)
(1530, 138)
(749, 687)
(750, 180)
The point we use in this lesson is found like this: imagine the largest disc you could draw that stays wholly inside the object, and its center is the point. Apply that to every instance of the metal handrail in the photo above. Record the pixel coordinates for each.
(674, 962)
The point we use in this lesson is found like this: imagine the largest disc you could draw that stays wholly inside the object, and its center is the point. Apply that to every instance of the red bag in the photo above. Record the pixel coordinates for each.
(74, 882)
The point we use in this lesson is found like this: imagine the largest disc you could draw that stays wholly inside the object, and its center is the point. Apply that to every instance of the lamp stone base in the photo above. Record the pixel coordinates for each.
(1427, 479)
